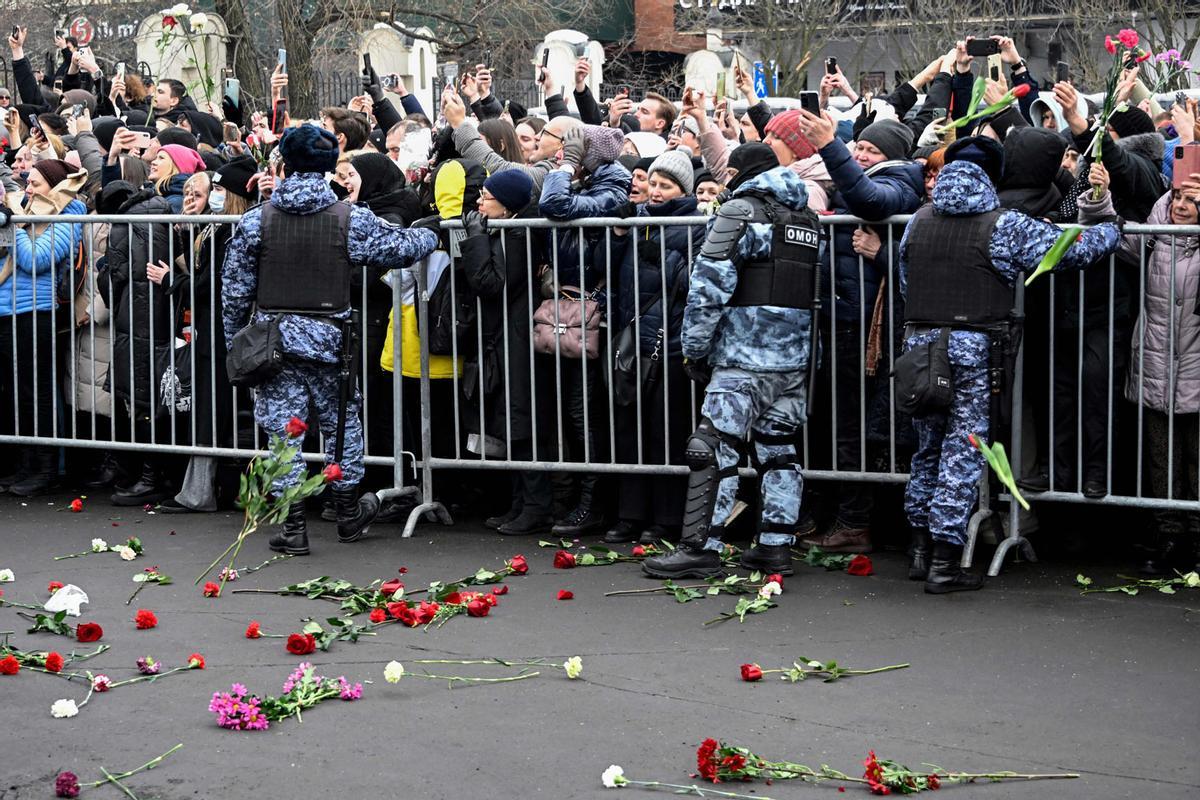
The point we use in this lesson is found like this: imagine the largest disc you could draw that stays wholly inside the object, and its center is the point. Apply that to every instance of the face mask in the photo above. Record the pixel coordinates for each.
(216, 202)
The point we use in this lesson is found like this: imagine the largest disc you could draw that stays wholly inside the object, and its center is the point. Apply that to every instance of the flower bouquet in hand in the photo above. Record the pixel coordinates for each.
(976, 113)
(1125, 52)
(257, 498)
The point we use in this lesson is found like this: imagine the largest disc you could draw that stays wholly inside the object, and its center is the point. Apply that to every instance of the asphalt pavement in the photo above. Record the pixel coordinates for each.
(1026, 675)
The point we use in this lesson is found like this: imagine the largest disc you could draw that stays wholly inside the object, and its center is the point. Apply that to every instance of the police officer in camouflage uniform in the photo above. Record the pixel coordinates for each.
(293, 256)
(959, 259)
(749, 318)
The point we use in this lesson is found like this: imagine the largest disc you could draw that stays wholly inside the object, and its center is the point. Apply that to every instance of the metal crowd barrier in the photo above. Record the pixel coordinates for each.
(574, 424)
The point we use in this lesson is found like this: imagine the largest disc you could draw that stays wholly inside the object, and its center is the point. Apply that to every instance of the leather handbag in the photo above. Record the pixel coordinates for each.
(568, 325)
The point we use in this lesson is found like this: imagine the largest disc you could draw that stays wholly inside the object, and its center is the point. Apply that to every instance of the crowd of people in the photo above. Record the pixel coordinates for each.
(121, 330)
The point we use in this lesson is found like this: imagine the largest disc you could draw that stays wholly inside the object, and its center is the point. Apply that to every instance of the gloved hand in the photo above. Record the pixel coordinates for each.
(5, 215)
(371, 84)
(474, 223)
(430, 223)
(573, 147)
(862, 121)
(698, 371)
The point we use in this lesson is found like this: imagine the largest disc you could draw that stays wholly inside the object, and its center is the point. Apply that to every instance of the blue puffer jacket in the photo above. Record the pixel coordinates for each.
(1018, 243)
(371, 241)
(601, 194)
(755, 338)
(649, 244)
(886, 189)
(38, 261)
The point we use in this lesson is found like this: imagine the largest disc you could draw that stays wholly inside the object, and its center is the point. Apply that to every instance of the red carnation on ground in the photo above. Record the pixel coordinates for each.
(145, 619)
(518, 565)
(196, 661)
(76, 505)
(860, 565)
(378, 615)
(499, 590)
(54, 586)
(332, 473)
(776, 578)
(566, 594)
(54, 662)
(478, 608)
(88, 632)
(751, 672)
(9, 666)
(934, 782)
(295, 427)
(301, 644)
(253, 630)
(212, 590)
(564, 560)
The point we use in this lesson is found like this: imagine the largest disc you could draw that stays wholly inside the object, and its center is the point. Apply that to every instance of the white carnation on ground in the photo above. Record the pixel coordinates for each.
(573, 666)
(770, 589)
(64, 708)
(393, 672)
(6, 576)
(613, 777)
(99, 545)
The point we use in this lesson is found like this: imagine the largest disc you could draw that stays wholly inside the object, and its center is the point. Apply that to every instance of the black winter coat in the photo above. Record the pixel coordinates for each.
(499, 275)
(143, 311)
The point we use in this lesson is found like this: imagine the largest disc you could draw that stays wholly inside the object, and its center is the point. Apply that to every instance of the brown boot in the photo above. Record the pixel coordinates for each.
(808, 535)
(846, 540)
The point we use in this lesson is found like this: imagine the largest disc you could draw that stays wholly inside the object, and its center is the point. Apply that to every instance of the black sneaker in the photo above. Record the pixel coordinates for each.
(494, 523)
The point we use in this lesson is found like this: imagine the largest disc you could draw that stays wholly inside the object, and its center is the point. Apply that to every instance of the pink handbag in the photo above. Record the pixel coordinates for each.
(571, 331)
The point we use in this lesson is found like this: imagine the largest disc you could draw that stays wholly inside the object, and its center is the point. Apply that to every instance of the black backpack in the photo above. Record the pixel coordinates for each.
(452, 314)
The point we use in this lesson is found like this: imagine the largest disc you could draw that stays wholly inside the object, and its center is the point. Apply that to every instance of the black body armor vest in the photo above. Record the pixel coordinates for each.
(304, 261)
(951, 280)
(787, 277)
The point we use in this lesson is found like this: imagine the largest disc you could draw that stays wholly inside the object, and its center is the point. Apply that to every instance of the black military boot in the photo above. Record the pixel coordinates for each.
(689, 560)
(529, 522)
(946, 573)
(354, 514)
(293, 539)
(622, 533)
(42, 474)
(769, 558)
(150, 488)
(918, 569)
(104, 474)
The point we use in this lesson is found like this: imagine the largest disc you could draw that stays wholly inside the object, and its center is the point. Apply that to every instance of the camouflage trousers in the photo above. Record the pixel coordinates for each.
(943, 483)
(304, 388)
(769, 407)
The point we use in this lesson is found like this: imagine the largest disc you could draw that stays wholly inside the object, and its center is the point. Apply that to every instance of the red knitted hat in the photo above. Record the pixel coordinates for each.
(787, 127)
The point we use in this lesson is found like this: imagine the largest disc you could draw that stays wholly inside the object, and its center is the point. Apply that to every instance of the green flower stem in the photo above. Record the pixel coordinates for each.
(268, 562)
(154, 677)
(4, 602)
(815, 671)
(110, 778)
(454, 679)
(76, 555)
(216, 560)
(151, 764)
(66, 676)
(698, 791)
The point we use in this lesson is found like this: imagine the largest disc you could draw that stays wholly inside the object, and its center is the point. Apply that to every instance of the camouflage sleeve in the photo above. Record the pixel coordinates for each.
(902, 262)
(712, 284)
(239, 274)
(376, 242)
(1020, 242)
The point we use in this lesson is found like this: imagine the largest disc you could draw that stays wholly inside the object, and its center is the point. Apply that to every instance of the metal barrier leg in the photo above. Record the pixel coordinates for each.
(427, 502)
(983, 514)
(397, 489)
(1014, 539)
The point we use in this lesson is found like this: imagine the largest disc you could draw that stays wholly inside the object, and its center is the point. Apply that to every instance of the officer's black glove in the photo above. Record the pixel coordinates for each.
(474, 223)
(430, 223)
(371, 84)
(5, 216)
(699, 371)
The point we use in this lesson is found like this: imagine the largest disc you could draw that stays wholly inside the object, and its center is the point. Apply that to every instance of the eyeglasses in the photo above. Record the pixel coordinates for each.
(547, 132)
